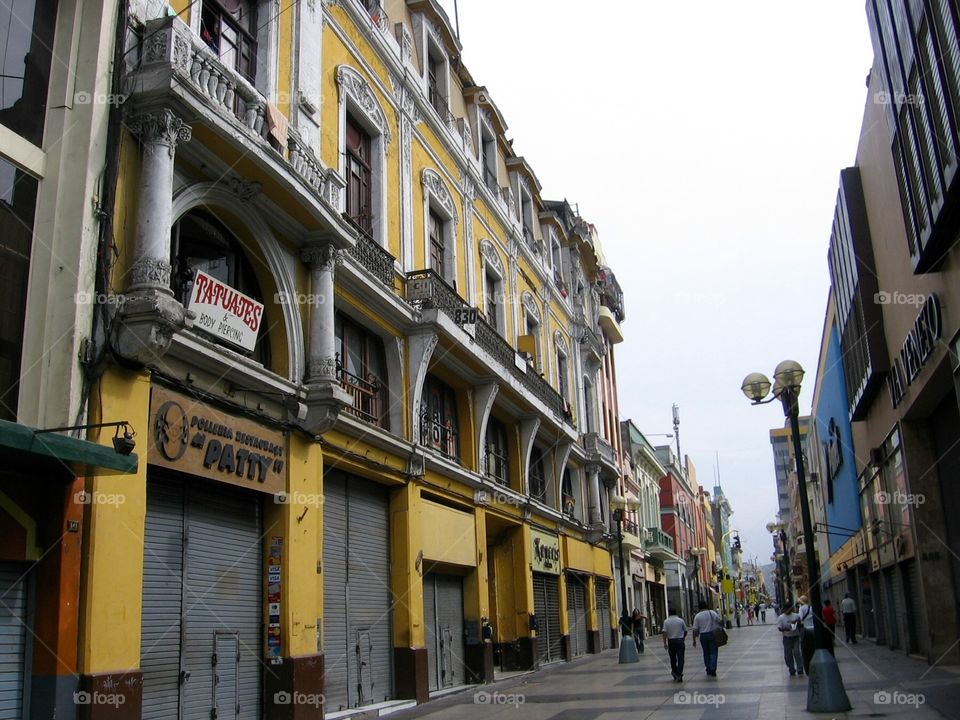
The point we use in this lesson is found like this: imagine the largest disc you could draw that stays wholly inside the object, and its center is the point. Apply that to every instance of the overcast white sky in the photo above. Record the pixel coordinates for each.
(705, 141)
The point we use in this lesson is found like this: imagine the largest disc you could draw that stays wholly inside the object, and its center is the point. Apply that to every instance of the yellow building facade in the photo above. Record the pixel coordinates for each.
(371, 372)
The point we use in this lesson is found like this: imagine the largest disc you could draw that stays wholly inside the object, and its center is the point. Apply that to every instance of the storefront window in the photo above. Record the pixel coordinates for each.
(26, 42)
(18, 200)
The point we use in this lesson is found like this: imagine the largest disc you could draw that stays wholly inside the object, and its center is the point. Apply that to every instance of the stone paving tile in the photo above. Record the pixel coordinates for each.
(753, 684)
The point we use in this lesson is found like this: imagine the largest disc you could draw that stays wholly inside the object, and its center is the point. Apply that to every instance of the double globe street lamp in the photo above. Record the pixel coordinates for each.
(825, 691)
(628, 647)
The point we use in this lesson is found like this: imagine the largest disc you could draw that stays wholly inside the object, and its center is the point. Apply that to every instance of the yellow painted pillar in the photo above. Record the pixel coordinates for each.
(564, 608)
(523, 579)
(293, 537)
(476, 603)
(112, 573)
(593, 618)
(406, 580)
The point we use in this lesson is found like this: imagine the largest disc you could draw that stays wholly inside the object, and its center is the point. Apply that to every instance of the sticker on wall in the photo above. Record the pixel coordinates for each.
(274, 564)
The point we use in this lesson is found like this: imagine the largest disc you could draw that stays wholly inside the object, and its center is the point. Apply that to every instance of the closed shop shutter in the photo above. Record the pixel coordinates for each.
(913, 597)
(577, 614)
(222, 616)
(201, 628)
(546, 606)
(603, 611)
(890, 606)
(899, 607)
(443, 621)
(162, 601)
(13, 639)
(358, 644)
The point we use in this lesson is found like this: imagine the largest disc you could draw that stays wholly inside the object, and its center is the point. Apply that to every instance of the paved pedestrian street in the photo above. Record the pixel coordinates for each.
(752, 682)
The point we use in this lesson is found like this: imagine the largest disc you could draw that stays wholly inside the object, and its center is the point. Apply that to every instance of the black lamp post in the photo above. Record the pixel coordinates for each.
(628, 647)
(825, 691)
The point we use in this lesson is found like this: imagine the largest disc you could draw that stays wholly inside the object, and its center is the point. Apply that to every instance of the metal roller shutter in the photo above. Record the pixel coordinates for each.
(13, 640)
(201, 628)
(603, 611)
(222, 615)
(430, 630)
(443, 622)
(336, 656)
(546, 606)
(450, 629)
(577, 614)
(913, 595)
(162, 601)
(357, 597)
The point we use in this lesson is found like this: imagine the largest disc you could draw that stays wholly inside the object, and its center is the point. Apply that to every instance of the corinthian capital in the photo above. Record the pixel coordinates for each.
(160, 127)
(321, 257)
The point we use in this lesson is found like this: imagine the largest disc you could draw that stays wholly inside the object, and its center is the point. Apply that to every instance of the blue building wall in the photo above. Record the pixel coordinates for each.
(844, 511)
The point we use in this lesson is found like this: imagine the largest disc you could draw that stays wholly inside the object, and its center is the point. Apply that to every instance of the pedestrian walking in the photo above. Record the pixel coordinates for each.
(807, 644)
(674, 641)
(763, 613)
(736, 613)
(848, 608)
(705, 623)
(749, 614)
(636, 622)
(788, 623)
(830, 620)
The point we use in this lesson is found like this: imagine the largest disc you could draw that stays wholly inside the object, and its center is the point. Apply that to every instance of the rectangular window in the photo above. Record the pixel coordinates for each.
(359, 177)
(26, 42)
(498, 459)
(437, 245)
(362, 370)
(228, 28)
(438, 420)
(491, 300)
(18, 200)
(538, 477)
(563, 382)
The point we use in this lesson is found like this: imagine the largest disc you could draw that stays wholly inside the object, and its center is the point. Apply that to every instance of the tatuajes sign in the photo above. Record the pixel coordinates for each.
(546, 552)
(187, 435)
(225, 313)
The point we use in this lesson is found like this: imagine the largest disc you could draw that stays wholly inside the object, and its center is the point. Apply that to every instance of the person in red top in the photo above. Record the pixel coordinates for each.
(830, 620)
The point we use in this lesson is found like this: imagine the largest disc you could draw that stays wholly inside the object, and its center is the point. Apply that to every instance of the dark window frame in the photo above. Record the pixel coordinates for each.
(367, 380)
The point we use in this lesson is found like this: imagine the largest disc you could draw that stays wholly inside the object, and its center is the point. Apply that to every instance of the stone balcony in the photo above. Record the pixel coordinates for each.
(177, 71)
(632, 539)
(426, 290)
(601, 452)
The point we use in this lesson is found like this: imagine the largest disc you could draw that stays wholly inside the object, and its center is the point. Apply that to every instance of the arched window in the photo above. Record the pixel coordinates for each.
(438, 424)
(201, 242)
(498, 457)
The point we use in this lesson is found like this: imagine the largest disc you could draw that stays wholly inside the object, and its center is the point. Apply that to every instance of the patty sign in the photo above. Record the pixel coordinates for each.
(225, 313)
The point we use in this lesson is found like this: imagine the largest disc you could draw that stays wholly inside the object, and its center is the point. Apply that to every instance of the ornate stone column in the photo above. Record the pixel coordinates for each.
(593, 488)
(321, 345)
(160, 131)
(150, 315)
(324, 396)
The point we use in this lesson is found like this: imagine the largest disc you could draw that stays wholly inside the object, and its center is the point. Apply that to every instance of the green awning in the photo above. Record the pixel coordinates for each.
(82, 456)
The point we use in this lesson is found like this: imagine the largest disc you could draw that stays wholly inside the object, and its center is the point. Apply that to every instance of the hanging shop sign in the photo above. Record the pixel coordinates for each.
(546, 552)
(190, 436)
(917, 348)
(224, 312)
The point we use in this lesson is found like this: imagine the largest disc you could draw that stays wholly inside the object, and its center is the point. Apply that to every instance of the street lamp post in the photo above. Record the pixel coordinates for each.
(825, 691)
(628, 647)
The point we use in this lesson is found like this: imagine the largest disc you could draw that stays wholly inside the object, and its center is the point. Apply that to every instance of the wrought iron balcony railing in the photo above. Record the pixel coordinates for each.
(371, 255)
(440, 436)
(367, 396)
(426, 289)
